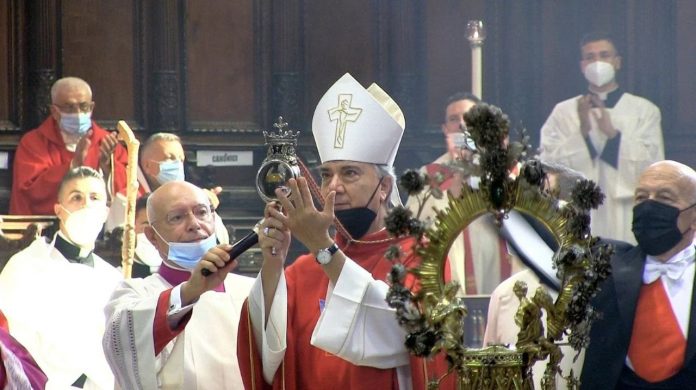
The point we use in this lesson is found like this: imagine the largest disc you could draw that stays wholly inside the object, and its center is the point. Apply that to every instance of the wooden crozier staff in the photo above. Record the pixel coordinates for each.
(128, 247)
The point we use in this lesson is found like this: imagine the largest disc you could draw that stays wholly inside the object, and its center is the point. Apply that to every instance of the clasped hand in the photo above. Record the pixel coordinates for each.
(585, 105)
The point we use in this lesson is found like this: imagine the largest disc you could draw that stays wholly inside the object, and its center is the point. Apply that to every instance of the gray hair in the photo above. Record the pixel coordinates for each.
(69, 82)
(393, 195)
(167, 137)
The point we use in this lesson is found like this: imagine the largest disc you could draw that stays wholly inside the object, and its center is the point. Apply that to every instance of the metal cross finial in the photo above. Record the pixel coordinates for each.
(281, 124)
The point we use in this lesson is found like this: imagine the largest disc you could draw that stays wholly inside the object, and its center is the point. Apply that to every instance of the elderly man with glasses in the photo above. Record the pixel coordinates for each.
(67, 139)
(177, 328)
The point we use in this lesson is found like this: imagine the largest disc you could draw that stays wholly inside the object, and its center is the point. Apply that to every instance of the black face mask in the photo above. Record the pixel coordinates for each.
(357, 221)
(655, 226)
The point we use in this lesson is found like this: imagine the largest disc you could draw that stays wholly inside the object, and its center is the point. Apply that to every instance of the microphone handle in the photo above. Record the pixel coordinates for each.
(238, 248)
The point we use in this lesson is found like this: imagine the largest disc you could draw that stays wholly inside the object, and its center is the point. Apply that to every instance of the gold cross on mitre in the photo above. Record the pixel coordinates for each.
(342, 114)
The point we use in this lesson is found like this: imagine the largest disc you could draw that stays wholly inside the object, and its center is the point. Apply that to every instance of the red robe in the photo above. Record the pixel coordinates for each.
(307, 367)
(41, 161)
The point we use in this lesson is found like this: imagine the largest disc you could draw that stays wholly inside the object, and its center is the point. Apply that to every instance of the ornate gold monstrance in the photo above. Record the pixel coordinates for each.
(433, 316)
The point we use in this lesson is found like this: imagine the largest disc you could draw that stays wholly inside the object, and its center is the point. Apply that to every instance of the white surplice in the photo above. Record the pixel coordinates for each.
(638, 120)
(501, 327)
(56, 310)
(202, 356)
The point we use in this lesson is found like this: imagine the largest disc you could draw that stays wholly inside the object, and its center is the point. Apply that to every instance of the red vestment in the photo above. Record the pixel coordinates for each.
(41, 161)
(307, 367)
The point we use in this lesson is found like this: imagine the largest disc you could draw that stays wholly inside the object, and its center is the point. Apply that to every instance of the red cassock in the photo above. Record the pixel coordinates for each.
(307, 367)
(41, 161)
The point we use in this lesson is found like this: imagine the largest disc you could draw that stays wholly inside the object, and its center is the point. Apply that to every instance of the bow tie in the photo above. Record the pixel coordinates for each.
(672, 270)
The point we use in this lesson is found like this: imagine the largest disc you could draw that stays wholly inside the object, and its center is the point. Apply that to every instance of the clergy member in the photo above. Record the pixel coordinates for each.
(478, 258)
(609, 135)
(162, 160)
(646, 338)
(177, 329)
(323, 322)
(67, 139)
(54, 294)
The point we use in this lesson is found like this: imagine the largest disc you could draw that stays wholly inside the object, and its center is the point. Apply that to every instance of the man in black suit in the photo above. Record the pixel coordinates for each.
(647, 337)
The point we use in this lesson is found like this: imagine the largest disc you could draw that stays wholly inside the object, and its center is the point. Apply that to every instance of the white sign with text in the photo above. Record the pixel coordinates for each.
(224, 158)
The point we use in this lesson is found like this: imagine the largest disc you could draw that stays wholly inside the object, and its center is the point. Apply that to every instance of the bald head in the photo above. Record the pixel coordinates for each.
(669, 180)
(168, 195)
(178, 212)
(665, 231)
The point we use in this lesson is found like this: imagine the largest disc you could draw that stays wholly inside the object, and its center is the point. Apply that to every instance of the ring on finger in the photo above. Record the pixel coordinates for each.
(265, 231)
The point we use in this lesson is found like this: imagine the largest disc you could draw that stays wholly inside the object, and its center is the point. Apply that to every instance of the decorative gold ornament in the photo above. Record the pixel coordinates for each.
(581, 261)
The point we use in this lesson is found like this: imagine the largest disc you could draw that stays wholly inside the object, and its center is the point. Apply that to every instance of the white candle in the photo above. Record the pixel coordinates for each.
(476, 33)
(476, 71)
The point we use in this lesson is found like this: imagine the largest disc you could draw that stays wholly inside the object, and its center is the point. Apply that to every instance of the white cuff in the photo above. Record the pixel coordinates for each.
(175, 312)
(271, 341)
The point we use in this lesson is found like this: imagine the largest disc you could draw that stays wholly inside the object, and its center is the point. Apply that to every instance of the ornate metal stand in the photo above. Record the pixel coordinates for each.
(433, 316)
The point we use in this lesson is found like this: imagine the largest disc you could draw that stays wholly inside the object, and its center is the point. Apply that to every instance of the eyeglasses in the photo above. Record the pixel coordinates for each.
(202, 213)
(83, 107)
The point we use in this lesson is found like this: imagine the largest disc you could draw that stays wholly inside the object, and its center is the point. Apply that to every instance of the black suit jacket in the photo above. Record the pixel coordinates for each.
(611, 335)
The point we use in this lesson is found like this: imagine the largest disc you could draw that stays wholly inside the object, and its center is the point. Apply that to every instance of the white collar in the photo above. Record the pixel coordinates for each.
(687, 254)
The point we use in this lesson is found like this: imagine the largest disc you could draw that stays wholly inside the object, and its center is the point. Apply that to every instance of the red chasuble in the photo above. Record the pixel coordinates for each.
(307, 367)
(41, 161)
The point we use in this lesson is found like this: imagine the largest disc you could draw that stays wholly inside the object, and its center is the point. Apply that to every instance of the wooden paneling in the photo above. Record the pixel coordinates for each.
(100, 46)
(339, 38)
(12, 66)
(220, 76)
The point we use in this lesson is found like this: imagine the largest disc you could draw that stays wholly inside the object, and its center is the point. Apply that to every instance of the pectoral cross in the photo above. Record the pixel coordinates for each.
(342, 114)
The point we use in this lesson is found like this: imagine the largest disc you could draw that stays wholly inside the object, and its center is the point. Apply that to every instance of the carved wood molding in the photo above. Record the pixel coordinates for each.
(43, 55)
(168, 60)
(15, 31)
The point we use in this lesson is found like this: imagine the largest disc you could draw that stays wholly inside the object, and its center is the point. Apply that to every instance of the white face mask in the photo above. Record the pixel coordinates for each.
(188, 254)
(599, 73)
(146, 252)
(84, 225)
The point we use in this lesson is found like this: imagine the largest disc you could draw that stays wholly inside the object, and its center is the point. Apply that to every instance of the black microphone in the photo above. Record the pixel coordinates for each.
(238, 248)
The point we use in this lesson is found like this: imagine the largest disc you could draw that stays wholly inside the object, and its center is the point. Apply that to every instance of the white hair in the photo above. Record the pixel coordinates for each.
(69, 82)
(393, 195)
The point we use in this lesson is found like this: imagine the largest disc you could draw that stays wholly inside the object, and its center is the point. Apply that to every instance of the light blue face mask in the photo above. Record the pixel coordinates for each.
(170, 170)
(76, 124)
(188, 254)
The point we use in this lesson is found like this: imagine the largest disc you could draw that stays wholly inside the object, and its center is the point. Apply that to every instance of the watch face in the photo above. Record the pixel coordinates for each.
(324, 257)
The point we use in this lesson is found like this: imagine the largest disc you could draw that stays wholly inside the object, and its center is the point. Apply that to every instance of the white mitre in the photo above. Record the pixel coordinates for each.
(357, 124)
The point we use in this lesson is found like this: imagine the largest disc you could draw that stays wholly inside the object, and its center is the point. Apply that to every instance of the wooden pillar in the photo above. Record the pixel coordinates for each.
(44, 61)
(288, 62)
(167, 84)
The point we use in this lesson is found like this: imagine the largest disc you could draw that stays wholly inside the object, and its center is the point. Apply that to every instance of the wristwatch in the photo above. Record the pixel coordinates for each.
(325, 255)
